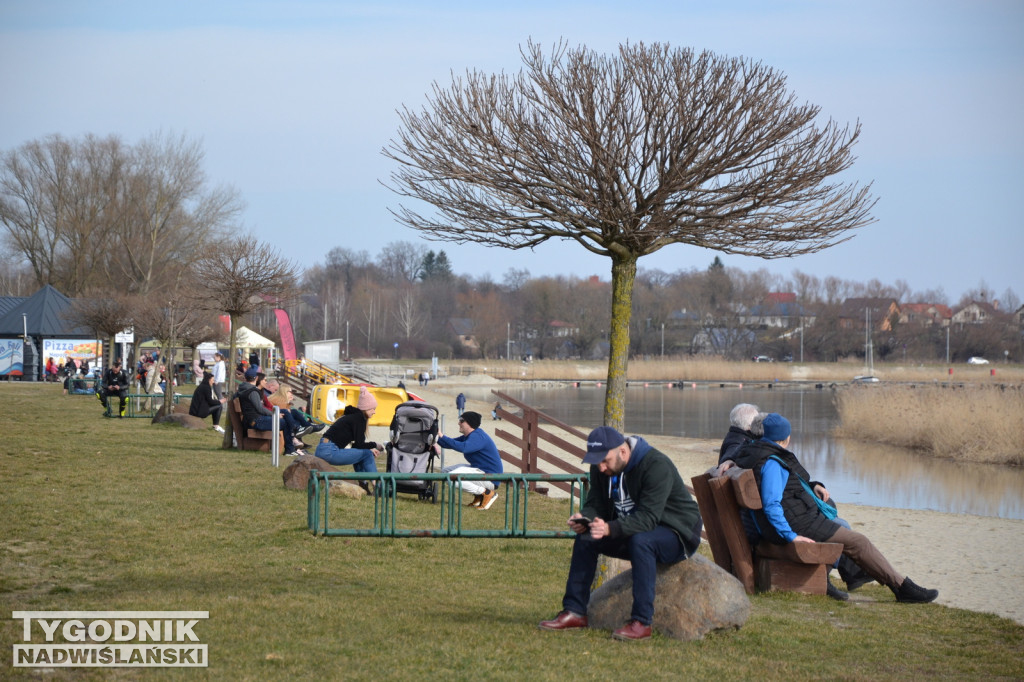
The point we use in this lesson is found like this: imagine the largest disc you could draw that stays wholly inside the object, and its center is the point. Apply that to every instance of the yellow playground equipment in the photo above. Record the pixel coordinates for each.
(328, 401)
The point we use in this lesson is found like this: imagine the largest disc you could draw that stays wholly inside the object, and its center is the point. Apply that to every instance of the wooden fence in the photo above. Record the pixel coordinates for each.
(537, 431)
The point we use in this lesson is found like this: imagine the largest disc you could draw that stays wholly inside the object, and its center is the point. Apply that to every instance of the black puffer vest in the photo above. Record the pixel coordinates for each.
(798, 506)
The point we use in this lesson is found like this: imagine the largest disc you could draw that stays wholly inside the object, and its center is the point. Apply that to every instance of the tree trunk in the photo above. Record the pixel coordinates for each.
(623, 276)
(229, 378)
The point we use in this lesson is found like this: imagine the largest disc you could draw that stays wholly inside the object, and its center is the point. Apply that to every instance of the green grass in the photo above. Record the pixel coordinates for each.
(107, 514)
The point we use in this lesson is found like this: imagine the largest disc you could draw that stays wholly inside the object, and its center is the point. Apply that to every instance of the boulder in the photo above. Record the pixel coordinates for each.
(296, 474)
(691, 598)
(186, 420)
(347, 489)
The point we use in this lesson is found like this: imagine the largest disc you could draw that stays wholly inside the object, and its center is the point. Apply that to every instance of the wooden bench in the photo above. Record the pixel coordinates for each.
(794, 567)
(250, 439)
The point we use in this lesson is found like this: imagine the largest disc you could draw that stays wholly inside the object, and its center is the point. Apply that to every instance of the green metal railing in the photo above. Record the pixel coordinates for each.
(385, 508)
(139, 405)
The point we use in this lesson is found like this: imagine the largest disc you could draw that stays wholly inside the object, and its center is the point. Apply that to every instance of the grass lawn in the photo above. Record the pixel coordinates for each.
(108, 514)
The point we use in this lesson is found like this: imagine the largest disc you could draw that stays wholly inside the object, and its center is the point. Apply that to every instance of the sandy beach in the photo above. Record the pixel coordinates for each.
(975, 562)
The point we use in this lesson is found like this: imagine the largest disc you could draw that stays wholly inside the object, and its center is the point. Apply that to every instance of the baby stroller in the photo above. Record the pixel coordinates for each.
(411, 450)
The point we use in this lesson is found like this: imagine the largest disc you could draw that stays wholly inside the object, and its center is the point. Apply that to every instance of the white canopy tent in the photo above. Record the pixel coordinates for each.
(247, 339)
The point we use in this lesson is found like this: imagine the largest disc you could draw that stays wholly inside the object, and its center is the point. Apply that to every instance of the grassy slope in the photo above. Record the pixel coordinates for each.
(119, 514)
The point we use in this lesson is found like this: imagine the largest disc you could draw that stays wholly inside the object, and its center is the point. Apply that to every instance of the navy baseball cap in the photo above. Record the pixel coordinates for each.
(599, 442)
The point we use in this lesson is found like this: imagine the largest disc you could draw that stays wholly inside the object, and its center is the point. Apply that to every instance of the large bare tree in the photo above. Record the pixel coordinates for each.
(626, 154)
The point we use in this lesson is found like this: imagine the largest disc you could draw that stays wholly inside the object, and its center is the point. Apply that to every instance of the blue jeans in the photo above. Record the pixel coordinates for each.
(643, 550)
(298, 418)
(361, 460)
(266, 423)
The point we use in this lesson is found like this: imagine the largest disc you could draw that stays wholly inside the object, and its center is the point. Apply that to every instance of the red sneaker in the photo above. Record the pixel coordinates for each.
(566, 620)
(633, 630)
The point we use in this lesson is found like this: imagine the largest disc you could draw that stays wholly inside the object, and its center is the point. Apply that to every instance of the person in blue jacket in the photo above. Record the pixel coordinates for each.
(792, 513)
(460, 403)
(482, 456)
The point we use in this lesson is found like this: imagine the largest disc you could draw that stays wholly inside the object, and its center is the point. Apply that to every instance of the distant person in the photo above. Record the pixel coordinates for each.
(482, 456)
(205, 402)
(792, 512)
(401, 384)
(460, 403)
(494, 412)
(115, 384)
(220, 376)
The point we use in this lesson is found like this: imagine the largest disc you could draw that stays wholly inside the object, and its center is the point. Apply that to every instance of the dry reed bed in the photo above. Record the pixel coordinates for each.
(700, 369)
(973, 423)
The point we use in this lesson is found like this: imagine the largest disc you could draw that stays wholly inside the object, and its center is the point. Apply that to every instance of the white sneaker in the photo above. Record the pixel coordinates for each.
(218, 428)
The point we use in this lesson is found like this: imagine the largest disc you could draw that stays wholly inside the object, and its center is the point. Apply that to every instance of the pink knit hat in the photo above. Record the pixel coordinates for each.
(366, 399)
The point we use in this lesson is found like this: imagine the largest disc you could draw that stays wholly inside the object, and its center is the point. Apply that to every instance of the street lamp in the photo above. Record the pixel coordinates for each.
(662, 340)
(508, 340)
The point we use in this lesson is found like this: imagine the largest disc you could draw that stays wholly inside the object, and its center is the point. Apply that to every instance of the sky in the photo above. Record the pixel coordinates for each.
(294, 101)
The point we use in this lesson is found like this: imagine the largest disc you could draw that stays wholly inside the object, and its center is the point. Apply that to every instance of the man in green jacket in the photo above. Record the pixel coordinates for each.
(637, 509)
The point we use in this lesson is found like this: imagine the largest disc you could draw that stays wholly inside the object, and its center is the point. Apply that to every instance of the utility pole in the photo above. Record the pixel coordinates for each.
(662, 340)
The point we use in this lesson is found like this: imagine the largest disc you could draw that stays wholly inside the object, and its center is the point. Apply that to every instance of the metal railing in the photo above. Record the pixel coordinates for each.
(385, 507)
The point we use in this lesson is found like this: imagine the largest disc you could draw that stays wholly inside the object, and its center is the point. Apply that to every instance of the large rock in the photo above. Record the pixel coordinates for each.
(296, 474)
(692, 598)
(186, 420)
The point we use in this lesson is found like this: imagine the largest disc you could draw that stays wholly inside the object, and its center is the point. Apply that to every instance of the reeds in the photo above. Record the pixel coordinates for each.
(970, 423)
(715, 369)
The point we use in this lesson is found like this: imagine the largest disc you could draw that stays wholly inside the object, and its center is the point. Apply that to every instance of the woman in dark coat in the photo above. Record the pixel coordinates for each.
(205, 403)
(351, 430)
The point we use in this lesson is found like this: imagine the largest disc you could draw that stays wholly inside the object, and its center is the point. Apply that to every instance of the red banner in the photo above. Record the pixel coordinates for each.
(225, 324)
(284, 327)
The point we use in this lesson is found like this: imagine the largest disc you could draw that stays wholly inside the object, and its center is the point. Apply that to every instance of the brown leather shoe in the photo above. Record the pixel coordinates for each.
(566, 620)
(632, 630)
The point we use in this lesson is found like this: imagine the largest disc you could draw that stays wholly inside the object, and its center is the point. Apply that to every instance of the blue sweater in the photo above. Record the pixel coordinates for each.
(478, 449)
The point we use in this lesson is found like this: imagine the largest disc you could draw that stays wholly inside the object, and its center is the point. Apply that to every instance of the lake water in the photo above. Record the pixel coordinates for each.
(853, 472)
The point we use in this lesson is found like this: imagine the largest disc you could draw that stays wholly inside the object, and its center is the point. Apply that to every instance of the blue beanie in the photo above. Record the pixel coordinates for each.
(776, 427)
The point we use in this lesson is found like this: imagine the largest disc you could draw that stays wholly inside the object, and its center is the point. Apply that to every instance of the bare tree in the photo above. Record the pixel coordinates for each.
(105, 316)
(627, 154)
(167, 213)
(409, 316)
(235, 277)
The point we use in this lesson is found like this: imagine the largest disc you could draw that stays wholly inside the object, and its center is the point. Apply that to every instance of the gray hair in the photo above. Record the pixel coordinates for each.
(742, 415)
(757, 425)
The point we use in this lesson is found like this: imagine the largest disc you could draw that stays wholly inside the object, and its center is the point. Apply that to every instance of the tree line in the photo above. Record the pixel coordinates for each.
(135, 233)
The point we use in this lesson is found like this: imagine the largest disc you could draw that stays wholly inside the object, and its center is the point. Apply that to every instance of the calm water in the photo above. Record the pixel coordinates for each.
(854, 472)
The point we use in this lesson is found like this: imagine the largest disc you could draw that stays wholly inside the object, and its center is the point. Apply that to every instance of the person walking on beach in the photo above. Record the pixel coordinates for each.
(460, 403)
(793, 509)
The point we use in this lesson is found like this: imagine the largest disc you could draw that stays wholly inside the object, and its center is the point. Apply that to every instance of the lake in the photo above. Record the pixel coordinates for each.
(854, 472)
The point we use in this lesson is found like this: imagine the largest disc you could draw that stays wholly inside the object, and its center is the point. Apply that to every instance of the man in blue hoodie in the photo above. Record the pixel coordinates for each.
(637, 509)
(482, 454)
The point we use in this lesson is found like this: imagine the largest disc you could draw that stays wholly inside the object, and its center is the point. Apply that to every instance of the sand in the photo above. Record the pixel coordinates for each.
(976, 562)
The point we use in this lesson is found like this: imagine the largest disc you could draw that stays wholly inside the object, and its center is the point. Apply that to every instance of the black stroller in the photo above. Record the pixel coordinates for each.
(411, 450)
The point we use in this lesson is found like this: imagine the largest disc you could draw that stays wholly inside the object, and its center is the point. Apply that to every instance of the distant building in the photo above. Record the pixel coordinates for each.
(926, 314)
(856, 313)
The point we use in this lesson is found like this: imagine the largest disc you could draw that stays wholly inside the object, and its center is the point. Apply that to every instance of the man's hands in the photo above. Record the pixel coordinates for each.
(801, 538)
(821, 492)
(597, 528)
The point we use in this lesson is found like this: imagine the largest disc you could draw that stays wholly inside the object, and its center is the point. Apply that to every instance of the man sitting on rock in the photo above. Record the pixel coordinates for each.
(637, 509)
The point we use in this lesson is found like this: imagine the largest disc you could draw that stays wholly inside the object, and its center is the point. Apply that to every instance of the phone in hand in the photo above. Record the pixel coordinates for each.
(583, 521)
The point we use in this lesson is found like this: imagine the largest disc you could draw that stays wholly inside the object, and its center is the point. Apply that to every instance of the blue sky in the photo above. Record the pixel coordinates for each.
(293, 102)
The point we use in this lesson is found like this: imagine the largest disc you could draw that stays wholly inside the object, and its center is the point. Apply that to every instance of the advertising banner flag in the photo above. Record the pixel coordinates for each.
(284, 327)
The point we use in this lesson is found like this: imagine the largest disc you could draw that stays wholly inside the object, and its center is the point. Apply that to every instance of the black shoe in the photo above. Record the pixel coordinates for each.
(911, 593)
(834, 592)
(859, 580)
